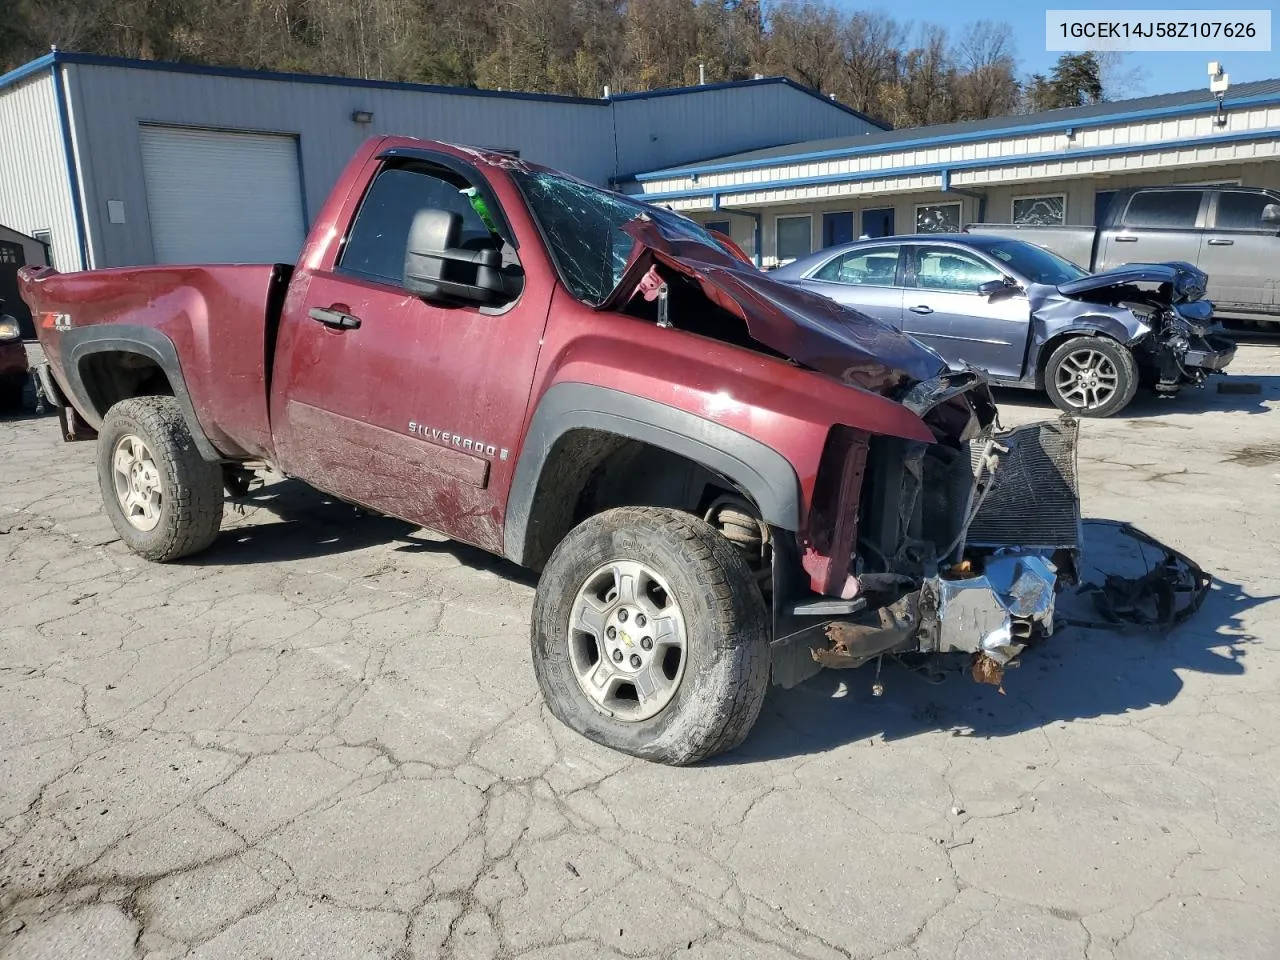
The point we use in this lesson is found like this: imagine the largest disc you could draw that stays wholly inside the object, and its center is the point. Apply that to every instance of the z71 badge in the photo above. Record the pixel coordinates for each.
(478, 447)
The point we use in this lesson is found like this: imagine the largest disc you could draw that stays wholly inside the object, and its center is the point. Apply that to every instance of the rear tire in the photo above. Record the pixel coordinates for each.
(1091, 377)
(163, 498)
(685, 576)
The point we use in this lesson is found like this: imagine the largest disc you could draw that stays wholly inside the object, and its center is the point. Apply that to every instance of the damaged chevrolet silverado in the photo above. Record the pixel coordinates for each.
(1030, 318)
(721, 478)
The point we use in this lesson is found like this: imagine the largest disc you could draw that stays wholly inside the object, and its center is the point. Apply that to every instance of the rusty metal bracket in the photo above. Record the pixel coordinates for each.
(853, 644)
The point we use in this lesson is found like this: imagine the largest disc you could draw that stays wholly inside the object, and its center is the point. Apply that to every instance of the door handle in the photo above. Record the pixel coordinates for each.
(921, 309)
(1221, 243)
(1125, 239)
(334, 318)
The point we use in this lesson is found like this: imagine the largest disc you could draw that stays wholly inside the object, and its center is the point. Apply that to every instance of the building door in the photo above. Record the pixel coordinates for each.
(836, 228)
(877, 223)
(12, 258)
(219, 197)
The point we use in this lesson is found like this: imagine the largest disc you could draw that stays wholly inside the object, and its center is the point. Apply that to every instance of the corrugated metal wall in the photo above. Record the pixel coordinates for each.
(664, 131)
(109, 103)
(112, 101)
(34, 191)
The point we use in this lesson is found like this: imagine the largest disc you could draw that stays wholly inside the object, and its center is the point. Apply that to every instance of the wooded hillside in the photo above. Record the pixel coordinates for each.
(903, 74)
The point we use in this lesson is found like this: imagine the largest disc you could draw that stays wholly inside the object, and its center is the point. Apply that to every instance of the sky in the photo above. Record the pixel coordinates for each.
(1153, 73)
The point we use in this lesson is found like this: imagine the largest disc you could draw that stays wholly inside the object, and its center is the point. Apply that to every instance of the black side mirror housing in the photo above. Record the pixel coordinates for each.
(1271, 215)
(998, 288)
(437, 267)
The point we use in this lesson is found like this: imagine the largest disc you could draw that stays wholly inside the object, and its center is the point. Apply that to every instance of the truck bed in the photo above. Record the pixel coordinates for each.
(217, 319)
(1073, 243)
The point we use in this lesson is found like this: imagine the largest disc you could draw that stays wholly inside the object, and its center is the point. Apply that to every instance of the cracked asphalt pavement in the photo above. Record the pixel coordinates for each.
(322, 738)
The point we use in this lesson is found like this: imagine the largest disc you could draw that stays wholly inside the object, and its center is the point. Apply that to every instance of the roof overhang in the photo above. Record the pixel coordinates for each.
(1252, 132)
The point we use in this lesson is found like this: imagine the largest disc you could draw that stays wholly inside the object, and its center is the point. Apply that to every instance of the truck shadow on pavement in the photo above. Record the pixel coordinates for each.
(1077, 674)
(305, 524)
(1241, 397)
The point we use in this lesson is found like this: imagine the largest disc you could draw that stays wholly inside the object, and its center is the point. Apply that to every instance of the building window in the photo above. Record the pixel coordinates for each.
(938, 218)
(794, 237)
(1041, 211)
(719, 226)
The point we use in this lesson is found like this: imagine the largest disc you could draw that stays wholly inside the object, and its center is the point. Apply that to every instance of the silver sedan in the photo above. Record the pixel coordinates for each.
(1028, 317)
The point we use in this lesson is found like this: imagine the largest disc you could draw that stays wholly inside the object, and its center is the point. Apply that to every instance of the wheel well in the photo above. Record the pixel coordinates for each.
(589, 471)
(115, 375)
(1054, 342)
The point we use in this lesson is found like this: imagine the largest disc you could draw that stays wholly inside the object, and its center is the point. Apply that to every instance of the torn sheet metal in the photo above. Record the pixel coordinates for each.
(1138, 583)
(995, 613)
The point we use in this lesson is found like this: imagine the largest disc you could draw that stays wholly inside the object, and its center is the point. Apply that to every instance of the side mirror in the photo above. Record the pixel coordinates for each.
(436, 267)
(1271, 215)
(997, 288)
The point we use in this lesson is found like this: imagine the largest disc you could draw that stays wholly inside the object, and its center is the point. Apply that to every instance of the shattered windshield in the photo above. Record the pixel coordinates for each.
(1036, 263)
(583, 229)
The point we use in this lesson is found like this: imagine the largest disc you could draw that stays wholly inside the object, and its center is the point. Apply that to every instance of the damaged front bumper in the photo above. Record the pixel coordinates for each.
(989, 596)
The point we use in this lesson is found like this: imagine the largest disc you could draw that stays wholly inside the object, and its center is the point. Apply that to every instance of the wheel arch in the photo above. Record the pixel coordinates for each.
(105, 365)
(1085, 327)
(577, 427)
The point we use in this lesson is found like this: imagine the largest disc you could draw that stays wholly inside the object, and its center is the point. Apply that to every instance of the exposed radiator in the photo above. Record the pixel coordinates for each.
(1035, 499)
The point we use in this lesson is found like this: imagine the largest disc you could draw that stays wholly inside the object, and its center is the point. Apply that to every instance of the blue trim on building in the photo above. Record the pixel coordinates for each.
(69, 158)
(762, 82)
(27, 70)
(93, 59)
(977, 136)
(946, 169)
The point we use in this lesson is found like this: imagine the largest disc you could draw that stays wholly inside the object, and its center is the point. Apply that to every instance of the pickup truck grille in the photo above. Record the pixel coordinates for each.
(1035, 500)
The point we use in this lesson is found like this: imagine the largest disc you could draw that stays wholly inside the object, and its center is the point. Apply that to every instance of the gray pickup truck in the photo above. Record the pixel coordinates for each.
(1230, 233)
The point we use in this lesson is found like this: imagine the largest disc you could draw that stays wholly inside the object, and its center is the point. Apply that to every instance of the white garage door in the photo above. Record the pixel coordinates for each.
(215, 197)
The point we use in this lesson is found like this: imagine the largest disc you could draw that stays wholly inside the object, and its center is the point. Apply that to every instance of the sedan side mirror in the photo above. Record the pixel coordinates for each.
(1271, 215)
(437, 267)
(998, 288)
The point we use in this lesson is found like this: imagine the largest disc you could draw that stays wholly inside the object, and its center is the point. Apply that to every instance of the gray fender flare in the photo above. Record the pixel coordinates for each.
(81, 343)
(758, 470)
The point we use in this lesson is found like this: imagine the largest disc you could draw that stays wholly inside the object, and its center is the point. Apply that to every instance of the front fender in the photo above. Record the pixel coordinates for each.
(1055, 322)
(758, 470)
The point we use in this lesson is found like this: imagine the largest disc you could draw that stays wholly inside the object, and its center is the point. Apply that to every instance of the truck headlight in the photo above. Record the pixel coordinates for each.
(9, 329)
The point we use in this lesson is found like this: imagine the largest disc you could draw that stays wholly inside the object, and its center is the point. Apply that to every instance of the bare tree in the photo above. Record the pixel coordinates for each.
(986, 85)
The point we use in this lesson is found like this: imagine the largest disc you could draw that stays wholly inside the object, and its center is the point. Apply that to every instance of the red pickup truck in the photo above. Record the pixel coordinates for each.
(720, 478)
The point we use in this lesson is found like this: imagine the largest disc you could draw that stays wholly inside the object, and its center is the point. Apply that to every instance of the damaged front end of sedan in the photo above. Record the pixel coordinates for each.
(1155, 309)
(961, 550)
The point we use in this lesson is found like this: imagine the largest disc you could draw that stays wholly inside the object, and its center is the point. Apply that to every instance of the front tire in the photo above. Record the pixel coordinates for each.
(1091, 377)
(650, 636)
(163, 498)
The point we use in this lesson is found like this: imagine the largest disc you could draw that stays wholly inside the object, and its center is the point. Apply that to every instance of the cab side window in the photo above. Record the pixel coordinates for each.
(1164, 209)
(876, 267)
(952, 270)
(1238, 210)
(376, 244)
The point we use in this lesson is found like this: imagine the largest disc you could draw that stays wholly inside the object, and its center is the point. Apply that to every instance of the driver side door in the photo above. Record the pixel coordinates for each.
(943, 308)
(405, 406)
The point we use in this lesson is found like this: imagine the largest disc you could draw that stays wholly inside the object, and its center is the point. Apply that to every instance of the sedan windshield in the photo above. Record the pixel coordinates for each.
(1035, 264)
(583, 229)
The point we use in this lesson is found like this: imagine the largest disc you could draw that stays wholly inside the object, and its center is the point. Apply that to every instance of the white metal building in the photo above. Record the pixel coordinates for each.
(118, 162)
(1055, 167)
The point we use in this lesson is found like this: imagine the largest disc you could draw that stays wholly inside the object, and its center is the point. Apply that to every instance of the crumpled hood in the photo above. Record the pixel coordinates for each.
(1186, 282)
(807, 327)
